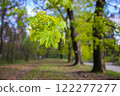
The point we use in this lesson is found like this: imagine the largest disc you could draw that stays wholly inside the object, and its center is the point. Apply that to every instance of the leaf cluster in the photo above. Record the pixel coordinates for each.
(46, 29)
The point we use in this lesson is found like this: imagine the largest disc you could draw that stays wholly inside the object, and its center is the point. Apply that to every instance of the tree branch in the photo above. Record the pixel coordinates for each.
(40, 5)
(113, 5)
(8, 8)
(61, 15)
(89, 18)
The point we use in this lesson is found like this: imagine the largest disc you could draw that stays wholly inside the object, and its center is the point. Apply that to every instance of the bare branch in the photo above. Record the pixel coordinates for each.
(8, 8)
(110, 25)
(61, 15)
(40, 5)
(113, 5)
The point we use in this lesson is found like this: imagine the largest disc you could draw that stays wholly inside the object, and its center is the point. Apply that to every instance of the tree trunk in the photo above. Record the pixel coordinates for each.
(19, 46)
(1, 35)
(98, 54)
(70, 53)
(12, 51)
(68, 37)
(47, 54)
(73, 36)
(61, 55)
(80, 52)
(13, 46)
(27, 56)
(20, 37)
(99, 64)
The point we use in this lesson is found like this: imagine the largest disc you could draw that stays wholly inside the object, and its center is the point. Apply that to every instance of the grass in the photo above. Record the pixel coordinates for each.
(112, 73)
(52, 69)
(59, 70)
(17, 62)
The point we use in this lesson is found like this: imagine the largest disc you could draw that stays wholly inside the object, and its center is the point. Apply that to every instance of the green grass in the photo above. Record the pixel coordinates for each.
(58, 70)
(112, 73)
(17, 62)
(52, 69)
(49, 70)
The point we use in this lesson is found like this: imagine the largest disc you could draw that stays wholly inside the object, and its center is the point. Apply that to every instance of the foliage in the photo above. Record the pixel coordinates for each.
(105, 27)
(60, 3)
(21, 15)
(47, 29)
(7, 3)
(87, 52)
(84, 23)
(111, 58)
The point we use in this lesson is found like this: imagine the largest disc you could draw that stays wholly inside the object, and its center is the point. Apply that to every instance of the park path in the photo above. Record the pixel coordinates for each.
(50, 69)
(16, 71)
(108, 67)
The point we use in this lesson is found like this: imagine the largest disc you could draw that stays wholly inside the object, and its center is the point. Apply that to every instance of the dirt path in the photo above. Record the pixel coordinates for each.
(16, 71)
(50, 69)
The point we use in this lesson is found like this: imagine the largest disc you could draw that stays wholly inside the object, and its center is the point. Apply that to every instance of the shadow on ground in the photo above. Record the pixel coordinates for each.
(49, 69)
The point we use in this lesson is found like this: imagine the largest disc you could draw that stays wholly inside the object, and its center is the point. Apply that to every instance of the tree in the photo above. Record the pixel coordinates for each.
(67, 4)
(76, 45)
(21, 18)
(98, 54)
(5, 5)
(68, 37)
(9, 32)
(60, 12)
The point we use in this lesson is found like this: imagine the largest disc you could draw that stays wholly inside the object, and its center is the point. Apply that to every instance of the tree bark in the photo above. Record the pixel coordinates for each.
(1, 31)
(98, 54)
(1, 34)
(80, 52)
(61, 55)
(13, 40)
(73, 36)
(70, 53)
(19, 44)
(68, 37)
(48, 53)
(27, 55)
